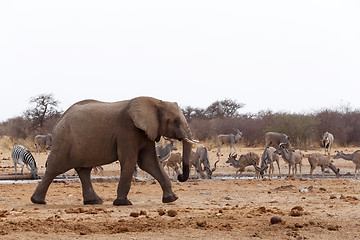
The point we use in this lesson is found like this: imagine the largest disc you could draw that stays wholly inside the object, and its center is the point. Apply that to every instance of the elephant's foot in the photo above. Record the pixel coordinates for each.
(121, 202)
(170, 198)
(37, 201)
(93, 201)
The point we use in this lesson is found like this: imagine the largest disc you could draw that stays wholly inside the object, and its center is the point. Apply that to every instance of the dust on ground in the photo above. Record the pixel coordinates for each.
(206, 209)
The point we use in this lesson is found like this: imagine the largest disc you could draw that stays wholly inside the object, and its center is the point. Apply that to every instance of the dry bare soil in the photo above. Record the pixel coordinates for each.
(206, 209)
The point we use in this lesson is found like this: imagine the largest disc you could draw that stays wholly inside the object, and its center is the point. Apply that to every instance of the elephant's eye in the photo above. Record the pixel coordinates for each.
(177, 122)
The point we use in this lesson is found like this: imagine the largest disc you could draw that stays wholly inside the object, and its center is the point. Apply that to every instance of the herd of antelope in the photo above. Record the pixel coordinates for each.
(276, 145)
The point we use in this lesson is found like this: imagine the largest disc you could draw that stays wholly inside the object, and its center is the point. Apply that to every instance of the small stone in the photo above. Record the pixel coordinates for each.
(172, 213)
(201, 223)
(161, 212)
(275, 220)
(333, 196)
(333, 228)
(134, 214)
(297, 211)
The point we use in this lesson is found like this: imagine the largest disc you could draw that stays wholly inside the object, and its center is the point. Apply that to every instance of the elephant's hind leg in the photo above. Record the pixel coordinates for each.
(38, 196)
(89, 194)
(127, 171)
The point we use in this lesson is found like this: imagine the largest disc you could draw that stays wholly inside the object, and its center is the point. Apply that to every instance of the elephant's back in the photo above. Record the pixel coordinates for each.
(89, 114)
(93, 106)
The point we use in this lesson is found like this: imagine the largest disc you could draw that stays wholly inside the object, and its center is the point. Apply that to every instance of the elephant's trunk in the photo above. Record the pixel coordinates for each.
(187, 146)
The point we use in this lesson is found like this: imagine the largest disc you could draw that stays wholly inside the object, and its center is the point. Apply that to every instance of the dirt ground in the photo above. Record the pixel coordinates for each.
(220, 208)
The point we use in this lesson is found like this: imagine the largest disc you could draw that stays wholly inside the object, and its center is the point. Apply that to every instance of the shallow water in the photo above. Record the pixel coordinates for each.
(116, 179)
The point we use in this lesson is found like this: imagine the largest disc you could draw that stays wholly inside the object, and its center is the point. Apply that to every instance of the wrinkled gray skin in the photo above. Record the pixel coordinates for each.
(92, 133)
(43, 141)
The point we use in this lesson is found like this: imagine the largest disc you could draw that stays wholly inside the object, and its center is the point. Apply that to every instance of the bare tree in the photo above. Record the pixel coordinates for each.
(223, 109)
(44, 109)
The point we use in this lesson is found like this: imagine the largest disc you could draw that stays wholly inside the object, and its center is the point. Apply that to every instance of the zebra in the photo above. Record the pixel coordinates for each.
(21, 155)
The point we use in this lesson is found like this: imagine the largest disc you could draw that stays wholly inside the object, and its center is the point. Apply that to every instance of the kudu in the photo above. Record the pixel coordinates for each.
(44, 142)
(273, 139)
(163, 153)
(249, 159)
(323, 161)
(354, 157)
(269, 157)
(290, 157)
(230, 139)
(200, 160)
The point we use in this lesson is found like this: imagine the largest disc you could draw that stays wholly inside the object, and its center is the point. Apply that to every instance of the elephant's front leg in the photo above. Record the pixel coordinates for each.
(89, 194)
(149, 163)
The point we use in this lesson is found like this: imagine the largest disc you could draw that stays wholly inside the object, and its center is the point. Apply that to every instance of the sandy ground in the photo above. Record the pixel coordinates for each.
(220, 208)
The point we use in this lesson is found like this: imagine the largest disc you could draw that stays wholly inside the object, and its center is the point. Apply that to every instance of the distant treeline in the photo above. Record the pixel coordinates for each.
(304, 130)
(221, 117)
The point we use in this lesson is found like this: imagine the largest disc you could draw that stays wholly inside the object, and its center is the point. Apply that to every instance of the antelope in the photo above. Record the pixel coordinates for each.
(43, 141)
(163, 153)
(269, 158)
(290, 157)
(354, 157)
(249, 159)
(173, 162)
(200, 160)
(228, 139)
(317, 159)
(273, 139)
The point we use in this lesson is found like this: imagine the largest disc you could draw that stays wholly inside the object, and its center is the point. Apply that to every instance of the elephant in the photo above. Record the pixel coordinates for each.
(92, 133)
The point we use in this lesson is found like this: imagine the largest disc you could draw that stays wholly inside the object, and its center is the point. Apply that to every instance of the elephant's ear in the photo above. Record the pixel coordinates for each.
(144, 112)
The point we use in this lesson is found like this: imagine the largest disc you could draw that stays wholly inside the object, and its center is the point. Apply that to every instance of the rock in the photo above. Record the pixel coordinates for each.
(227, 197)
(275, 220)
(134, 214)
(333, 196)
(333, 228)
(172, 213)
(161, 212)
(297, 211)
(201, 223)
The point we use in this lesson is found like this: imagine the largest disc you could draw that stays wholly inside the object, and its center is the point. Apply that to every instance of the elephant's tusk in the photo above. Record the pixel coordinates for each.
(190, 141)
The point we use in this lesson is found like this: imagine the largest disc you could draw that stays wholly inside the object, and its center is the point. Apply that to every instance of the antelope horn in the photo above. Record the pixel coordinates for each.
(215, 166)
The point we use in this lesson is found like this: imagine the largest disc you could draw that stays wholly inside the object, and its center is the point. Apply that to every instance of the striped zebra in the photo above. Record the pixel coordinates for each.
(21, 155)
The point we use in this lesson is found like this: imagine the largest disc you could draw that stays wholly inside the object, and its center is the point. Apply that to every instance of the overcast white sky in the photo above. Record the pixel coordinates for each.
(294, 56)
